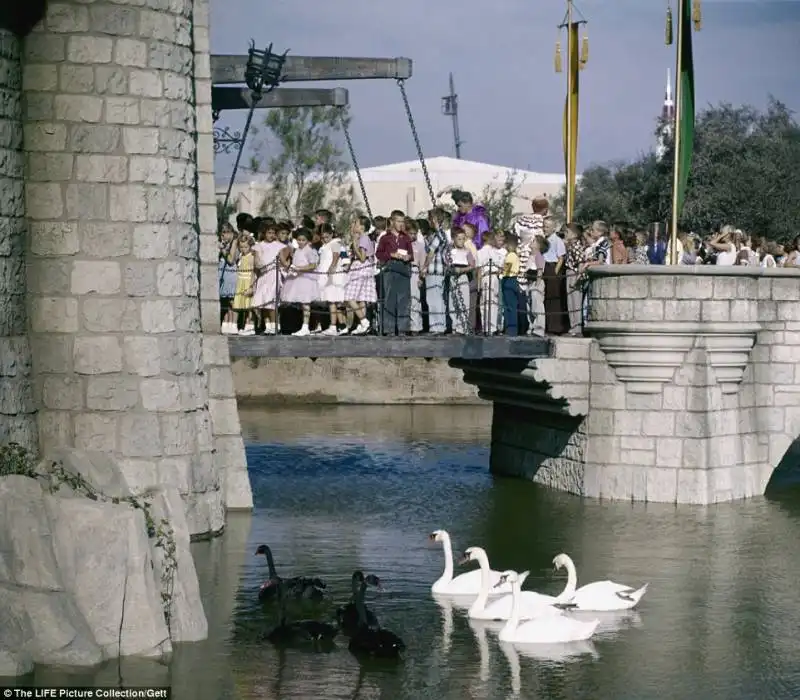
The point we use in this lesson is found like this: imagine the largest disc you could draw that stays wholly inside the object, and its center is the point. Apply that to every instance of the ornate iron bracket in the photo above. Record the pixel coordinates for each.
(262, 74)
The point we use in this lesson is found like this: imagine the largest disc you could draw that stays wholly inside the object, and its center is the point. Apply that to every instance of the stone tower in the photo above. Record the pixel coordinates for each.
(107, 201)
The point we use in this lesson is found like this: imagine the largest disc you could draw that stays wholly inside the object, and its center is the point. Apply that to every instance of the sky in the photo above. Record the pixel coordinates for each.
(501, 53)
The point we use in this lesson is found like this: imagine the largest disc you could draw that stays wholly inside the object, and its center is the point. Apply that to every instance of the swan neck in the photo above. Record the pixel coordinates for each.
(572, 578)
(270, 563)
(483, 593)
(448, 558)
(513, 621)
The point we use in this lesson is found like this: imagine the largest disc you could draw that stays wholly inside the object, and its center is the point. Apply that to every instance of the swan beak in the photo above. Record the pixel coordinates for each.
(463, 561)
(432, 537)
(500, 582)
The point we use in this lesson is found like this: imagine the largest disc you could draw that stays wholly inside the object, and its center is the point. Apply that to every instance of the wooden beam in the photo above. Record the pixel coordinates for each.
(229, 70)
(449, 346)
(223, 98)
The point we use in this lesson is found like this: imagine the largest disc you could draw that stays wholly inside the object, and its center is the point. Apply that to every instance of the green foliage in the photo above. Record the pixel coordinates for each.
(304, 163)
(744, 172)
(499, 201)
(15, 459)
(225, 211)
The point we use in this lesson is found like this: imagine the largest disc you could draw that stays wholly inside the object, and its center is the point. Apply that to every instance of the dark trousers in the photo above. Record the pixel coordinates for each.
(225, 304)
(513, 301)
(396, 309)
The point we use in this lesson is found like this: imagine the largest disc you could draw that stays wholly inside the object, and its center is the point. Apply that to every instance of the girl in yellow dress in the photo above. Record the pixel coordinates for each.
(245, 282)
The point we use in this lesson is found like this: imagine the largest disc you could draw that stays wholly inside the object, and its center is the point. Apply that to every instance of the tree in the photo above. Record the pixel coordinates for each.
(225, 211)
(304, 163)
(499, 201)
(744, 172)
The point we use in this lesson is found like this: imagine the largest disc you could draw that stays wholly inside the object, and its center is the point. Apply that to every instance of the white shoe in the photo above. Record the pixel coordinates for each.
(361, 328)
(227, 328)
(344, 331)
(269, 329)
(330, 330)
(247, 330)
(302, 332)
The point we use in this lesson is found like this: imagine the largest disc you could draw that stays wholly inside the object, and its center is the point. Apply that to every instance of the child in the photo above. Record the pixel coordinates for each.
(471, 233)
(535, 276)
(228, 253)
(245, 282)
(513, 301)
(461, 268)
(418, 245)
(301, 286)
(490, 260)
(268, 281)
(360, 289)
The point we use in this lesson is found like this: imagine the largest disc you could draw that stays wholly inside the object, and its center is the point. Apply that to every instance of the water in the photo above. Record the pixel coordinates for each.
(343, 488)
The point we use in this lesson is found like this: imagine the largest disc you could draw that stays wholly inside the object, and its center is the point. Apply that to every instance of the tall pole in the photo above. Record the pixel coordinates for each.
(450, 109)
(673, 235)
(568, 160)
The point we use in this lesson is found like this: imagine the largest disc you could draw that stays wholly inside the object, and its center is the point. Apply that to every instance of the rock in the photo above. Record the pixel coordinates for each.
(14, 663)
(98, 469)
(188, 621)
(123, 605)
(205, 513)
(38, 619)
(80, 579)
(26, 543)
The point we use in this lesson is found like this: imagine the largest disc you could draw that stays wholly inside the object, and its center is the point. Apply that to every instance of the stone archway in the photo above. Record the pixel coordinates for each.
(786, 473)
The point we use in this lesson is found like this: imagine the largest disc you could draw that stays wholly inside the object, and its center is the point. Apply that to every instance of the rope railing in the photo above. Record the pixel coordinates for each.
(283, 299)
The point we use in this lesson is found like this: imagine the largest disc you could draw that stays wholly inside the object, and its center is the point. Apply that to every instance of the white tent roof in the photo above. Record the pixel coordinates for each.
(448, 168)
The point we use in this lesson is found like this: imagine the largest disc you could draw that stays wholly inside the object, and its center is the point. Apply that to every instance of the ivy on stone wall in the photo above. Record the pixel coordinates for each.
(16, 460)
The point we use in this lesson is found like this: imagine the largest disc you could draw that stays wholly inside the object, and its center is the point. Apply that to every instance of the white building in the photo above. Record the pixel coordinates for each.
(402, 185)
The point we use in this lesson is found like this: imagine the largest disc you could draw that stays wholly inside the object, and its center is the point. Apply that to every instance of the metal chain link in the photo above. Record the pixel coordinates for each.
(353, 157)
(421, 156)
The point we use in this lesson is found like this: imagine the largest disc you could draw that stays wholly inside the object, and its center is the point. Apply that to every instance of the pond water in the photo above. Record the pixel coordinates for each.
(340, 488)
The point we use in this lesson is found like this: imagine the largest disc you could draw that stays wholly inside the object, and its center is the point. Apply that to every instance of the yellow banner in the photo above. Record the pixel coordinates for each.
(571, 118)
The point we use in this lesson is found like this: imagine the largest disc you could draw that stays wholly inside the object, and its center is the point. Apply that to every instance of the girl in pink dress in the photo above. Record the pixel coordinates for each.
(267, 291)
(301, 286)
(360, 289)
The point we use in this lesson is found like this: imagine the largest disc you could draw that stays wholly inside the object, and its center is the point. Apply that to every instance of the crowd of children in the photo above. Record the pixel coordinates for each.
(391, 275)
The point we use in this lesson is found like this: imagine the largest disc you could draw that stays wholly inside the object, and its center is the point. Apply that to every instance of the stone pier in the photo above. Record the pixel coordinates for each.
(106, 163)
(686, 390)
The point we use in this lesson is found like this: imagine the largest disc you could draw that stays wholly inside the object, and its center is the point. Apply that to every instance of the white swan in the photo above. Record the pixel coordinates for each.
(468, 584)
(531, 604)
(600, 596)
(550, 629)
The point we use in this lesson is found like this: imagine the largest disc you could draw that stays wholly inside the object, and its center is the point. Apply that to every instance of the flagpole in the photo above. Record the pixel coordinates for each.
(673, 236)
(568, 159)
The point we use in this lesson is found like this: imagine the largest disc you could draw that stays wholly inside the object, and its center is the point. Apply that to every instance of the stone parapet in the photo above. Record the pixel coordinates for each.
(684, 376)
(687, 389)
(17, 407)
(114, 167)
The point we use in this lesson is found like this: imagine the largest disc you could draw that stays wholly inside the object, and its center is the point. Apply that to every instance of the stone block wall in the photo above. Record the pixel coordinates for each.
(687, 391)
(119, 177)
(538, 426)
(17, 408)
(695, 388)
(230, 461)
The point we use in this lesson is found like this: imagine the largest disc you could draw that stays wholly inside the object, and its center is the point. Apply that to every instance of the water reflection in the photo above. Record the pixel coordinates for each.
(718, 621)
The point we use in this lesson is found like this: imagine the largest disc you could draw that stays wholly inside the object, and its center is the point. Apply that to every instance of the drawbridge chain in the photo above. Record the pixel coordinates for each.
(346, 130)
(463, 308)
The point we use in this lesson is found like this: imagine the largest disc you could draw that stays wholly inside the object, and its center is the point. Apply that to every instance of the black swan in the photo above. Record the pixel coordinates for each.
(348, 614)
(373, 641)
(304, 587)
(301, 631)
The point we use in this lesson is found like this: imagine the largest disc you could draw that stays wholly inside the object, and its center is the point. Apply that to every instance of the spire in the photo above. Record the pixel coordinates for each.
(667, 118)
(668, 110)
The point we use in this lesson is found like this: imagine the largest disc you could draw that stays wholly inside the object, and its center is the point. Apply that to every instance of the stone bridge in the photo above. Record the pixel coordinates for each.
(687, 389)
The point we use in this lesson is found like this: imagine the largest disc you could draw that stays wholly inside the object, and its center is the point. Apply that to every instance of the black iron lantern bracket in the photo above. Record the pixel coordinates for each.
(262, 74)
